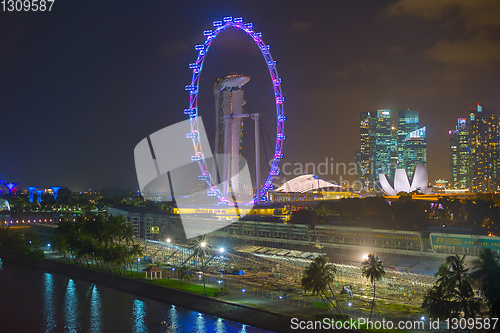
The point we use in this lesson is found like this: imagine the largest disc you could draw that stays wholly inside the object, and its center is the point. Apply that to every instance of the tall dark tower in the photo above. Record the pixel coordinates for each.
(229, 127)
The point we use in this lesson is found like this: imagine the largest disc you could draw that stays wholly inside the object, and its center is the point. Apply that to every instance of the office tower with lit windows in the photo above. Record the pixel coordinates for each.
(484, 144)
(384, 143)
(377, 145)
(364, 175)
(459, 155)
(414, 151)
(383, 147)
(408, 121)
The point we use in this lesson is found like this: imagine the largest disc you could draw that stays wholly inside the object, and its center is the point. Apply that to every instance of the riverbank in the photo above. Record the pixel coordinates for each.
(240, 313)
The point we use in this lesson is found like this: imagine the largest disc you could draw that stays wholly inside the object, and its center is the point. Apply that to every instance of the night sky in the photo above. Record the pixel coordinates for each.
(81, 85)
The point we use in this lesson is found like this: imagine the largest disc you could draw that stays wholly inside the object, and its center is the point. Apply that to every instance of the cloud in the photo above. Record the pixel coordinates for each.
(364, 70)
(396, 48)
(475, 14)
(167, 49)
(298, 26)
(479, 19)
(477, 51)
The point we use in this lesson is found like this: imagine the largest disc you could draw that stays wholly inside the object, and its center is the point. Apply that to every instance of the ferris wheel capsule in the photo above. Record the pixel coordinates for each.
(190, 112)
(192, 135)
(197, 157)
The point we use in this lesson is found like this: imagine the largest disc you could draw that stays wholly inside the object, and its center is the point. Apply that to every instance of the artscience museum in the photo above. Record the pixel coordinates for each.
(419, 183)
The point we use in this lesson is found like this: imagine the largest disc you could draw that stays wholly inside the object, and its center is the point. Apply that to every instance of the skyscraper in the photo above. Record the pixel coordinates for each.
(459, 155)
(484, 150)
(377, 145)
(384, 143)
(363, 154)
(414, 149)
(408, 121)
(384, 147)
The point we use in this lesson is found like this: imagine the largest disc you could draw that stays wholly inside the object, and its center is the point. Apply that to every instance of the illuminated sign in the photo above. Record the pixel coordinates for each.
(417, 134)
(155, 230)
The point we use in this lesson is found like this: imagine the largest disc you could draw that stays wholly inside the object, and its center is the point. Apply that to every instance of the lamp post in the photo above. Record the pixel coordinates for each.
(138, 259)
(202, 245)
(281, 297)
(243, 291)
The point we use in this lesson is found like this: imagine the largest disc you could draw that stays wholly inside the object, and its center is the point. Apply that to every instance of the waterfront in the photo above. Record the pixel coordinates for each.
(34, 300)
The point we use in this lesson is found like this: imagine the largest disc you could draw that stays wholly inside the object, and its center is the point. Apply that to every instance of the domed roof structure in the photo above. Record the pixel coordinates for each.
(305, 183)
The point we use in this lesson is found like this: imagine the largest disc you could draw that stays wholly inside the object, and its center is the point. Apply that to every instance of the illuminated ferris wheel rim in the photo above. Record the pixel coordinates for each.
(192, 111)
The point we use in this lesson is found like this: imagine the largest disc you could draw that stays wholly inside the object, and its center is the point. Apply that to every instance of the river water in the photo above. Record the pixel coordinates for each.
(34, 300)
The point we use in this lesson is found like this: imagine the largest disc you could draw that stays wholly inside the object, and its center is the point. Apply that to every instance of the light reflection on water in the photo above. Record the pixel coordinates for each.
(71, 308)
(48, 297)
(71, 305)
(95, 311)
(138, 317)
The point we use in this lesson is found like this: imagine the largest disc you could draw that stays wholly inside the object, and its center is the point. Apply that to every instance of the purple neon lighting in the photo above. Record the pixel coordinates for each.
(197, 67)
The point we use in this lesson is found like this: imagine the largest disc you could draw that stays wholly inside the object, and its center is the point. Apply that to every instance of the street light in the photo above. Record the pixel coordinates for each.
(138, 259)
(168, 240)
(281, 297)
(221, 250)
(203, 244)
(243, 290)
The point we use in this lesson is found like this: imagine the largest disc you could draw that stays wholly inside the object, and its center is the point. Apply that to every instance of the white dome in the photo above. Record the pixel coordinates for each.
(305, 183)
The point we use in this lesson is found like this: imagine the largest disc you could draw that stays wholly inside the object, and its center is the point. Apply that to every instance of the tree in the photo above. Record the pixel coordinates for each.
(134, 251)
(105, 241)
(372, 269)
(437, 302)
(185, 274)
(410, 214)
(454, 286)
(304, 216)
(317, 278)
(486, 274)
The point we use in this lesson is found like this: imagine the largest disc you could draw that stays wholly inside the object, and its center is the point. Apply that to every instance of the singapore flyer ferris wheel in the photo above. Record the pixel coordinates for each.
(192, 111)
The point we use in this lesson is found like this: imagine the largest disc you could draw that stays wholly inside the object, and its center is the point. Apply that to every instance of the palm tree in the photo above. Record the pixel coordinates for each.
(486, 274)
(185, 274)
(134, 251)
(437, 302)
(456, 283)
(317, 278)
(373, 269)
(201, 249)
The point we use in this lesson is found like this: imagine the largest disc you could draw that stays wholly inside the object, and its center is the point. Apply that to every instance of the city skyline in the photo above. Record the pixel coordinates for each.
(91, 94)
